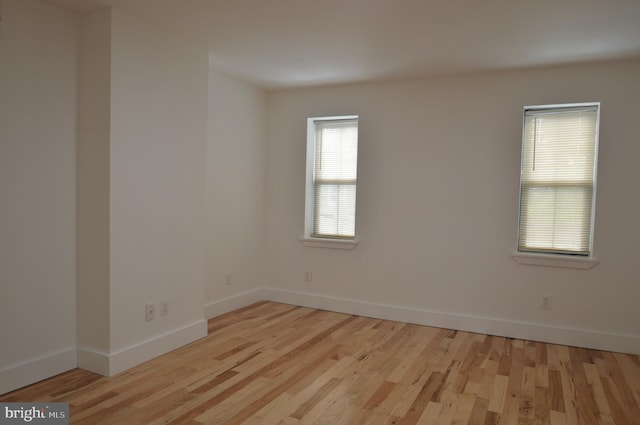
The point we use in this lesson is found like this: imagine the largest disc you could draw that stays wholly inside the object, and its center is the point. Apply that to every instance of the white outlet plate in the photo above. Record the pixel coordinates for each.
(151, 312)
(545, 303)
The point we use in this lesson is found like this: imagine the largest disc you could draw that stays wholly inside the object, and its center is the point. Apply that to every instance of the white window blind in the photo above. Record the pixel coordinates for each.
(557, 189)
(334, 183)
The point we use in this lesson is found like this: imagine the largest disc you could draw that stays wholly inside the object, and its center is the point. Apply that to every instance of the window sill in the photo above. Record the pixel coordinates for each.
(329, 243)
(550, 260)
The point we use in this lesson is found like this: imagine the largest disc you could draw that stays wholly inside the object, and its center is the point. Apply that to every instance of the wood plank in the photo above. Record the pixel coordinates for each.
(498, 394)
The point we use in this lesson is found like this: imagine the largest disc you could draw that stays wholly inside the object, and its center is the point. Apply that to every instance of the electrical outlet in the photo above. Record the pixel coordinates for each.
(545, 303)
(164, 308)
(308, 276)
(151, 312)
(227, 279)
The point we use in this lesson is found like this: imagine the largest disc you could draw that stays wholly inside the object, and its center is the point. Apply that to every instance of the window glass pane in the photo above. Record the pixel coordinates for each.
(559, 147)
(337, 152)
(556, 218)
(335, 210)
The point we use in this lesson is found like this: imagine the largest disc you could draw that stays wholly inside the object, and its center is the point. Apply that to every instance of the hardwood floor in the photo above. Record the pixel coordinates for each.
(273, 363)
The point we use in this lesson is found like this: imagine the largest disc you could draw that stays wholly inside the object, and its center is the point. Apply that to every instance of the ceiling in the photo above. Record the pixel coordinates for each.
(291, 43)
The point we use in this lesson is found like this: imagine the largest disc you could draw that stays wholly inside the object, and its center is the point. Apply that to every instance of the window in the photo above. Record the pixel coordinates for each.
(332, 164)
(557, 180)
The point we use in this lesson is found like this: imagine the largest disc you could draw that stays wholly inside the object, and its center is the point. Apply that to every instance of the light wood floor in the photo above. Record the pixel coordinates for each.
(273, 363)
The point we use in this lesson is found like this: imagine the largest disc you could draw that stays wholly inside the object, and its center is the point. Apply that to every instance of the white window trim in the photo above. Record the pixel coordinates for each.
(555, 260)
(562, 260)
(329, 243)
(307, 239)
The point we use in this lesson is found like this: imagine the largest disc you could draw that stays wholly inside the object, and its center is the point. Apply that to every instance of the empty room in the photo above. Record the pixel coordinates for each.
(337, 212)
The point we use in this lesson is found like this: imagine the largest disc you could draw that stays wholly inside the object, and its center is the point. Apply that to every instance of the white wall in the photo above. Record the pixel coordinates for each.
(438, 201)
(236, 184)
(157, 188)
(38, 59)
(93, 162)
(157, 124)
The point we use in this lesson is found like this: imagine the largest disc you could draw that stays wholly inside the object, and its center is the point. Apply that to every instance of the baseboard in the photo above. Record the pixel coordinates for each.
(93, 361)
(234, 302)
(507, 328)
(32, 371)
(121, 360)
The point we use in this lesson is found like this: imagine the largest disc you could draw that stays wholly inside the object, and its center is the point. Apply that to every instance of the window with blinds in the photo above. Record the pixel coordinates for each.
(557, 183)
(332, 162)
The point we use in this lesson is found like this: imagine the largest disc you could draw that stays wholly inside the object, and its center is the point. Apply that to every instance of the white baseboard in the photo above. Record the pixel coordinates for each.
(32, 371)
(234, 302)
(116, 362)
(507, 328)
(93, 361)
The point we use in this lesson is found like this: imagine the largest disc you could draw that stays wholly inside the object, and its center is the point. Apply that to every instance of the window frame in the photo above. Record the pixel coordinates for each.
(553, 257)
(308, 238)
